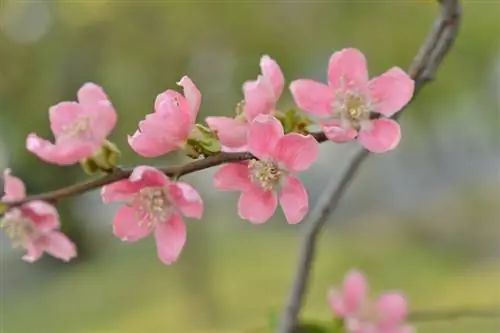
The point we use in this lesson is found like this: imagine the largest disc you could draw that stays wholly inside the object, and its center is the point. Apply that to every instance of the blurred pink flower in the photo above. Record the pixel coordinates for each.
(80, 128)
(350, 97)
(260, 96)
(280, 157)
(154, 204)
(169, 127)
(33, 225)
(361, 314)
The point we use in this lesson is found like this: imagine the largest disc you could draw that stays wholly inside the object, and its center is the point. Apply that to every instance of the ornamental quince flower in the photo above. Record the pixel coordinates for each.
(154, 205)
(361, 315)
(350, 99)
(79, 128)
(33, 225)
(169, 127)
(279, 158)
(260, 97)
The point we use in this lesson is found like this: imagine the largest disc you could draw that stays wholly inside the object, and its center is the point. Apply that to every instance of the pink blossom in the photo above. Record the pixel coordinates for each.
(80, 128)
(349, 99)
(33, 225)
(169, 127)
(279, 158)
(154, 204)
(260, 96)
(361, 314)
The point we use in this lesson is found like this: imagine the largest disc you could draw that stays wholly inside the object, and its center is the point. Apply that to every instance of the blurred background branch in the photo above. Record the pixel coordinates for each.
(423, 70)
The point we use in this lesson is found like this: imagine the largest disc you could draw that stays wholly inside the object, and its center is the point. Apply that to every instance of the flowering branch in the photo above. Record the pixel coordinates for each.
(422, 70)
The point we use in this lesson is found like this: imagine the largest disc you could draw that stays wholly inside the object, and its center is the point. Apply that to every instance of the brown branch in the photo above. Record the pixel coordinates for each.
(422, 70)
(122, 173)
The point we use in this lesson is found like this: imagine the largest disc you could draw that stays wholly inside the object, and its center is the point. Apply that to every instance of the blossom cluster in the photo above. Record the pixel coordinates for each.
(349, 107)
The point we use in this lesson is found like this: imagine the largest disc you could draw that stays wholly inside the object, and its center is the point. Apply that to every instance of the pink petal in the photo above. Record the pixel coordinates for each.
(44, 215)
(313, 97)
(259, 98)
(257, 205)
(336, 302)
(35, 252)
(186, 199)
(231, 132)
(297, 152)
(63, 114)
(263, 135)
(272, 72)
(13, 187)
(148, 145)
(120, 191)
(193, 95)
(347, 68)
(59, 246)
(392, 309)
(127, 227)
(335, 131)
(391, 91)
(383, 135)
(91, 93)
(294, 200)
(104, 119)
(64, 153)
(170, 239)
(232, 177)
(354, 291)
(148, 176)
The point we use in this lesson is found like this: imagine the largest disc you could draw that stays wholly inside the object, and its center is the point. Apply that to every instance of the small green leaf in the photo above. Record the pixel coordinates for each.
(292, 121)
(202, 142)
(105, 159)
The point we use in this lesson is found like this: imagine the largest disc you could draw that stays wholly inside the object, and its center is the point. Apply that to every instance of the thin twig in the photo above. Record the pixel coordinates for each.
(122, 173)
(422, 70)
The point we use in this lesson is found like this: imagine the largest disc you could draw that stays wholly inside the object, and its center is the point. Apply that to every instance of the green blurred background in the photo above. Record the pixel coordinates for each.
(424, 218)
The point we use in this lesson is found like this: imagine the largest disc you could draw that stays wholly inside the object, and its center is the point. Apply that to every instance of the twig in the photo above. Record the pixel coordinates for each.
(422, 70)
(122, 173)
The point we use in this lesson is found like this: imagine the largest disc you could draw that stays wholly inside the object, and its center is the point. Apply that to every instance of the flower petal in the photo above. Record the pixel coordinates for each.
(13, 187)
(354, 291)
(120, 191)
(392, 309)
(335, 131)
(336, 302)
(187, 199)
(263, 135)
(231, 132)
(91, 93)
(148, 145)
(232, 177)
(272, 72)
(127, 227)
(63, 114)
(391, 91)
(64, 153)
(148, 176)
(59, 246)
(35, 251)
(170, 239)
(297, 152)
(44, 215)
(104, 119)
(259, 98)
(257, 205)
(347, 68)
(192, 94)
(383, 135)
(294, 200)
(313, 97)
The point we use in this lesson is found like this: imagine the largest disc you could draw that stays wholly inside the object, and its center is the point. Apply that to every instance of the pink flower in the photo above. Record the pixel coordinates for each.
(279, 158)
(361, 315)
(80, 128)
(33, 225)
(169, 127)
(154, 204)
(350, 97)
(261, 97)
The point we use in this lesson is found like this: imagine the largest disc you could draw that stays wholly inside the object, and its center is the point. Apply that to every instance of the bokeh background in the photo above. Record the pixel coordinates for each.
(424, 218)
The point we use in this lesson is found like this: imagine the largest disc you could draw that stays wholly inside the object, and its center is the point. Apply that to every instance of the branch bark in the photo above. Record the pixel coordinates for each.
(423, 70)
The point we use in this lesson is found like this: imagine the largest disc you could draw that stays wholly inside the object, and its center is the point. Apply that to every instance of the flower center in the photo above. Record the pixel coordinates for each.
(266, 174)
(78, 129)
(352, 108)
(153, 206)
(19, 230)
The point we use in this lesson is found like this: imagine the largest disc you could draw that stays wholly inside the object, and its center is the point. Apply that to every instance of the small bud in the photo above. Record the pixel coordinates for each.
(293, 122)
(105, 159)
(202, 142)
